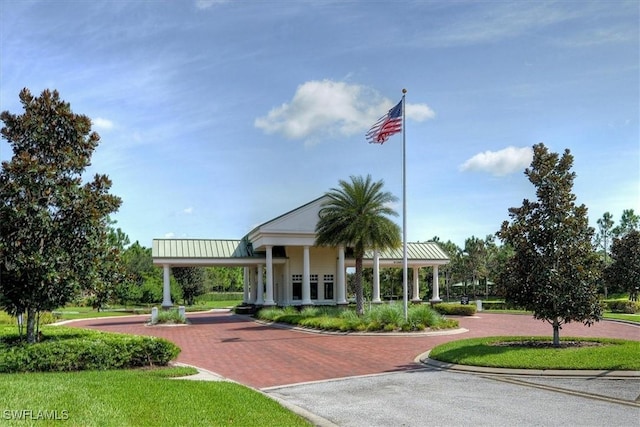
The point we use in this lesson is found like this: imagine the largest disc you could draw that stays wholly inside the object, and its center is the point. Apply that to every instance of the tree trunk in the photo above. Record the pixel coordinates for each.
(358, 287)
(556, 333)
(31, 325)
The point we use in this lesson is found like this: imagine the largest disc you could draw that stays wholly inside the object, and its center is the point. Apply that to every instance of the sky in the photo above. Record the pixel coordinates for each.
(216, 116)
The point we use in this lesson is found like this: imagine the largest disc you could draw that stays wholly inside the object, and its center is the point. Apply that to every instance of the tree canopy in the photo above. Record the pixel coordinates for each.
(624, 271)
(356, 215)
(53, 227)
(554, 269)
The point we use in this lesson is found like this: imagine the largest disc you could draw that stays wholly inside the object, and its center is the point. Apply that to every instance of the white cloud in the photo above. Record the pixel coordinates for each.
(206, 4)
(188, 210)
(500, 163)
(419, 112)
(169, 235)
(102, 124)
(329, 108)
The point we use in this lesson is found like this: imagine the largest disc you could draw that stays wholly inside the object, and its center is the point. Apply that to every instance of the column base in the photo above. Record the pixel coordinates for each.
(416, 301)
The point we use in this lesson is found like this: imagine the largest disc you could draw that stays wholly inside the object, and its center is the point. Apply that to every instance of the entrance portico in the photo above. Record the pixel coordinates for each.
(282, 265)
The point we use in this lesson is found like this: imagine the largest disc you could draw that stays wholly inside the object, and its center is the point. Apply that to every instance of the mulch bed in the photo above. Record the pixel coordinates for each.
(546, 344)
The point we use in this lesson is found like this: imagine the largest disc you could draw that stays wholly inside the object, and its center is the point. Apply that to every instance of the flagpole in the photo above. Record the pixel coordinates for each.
(404, 210)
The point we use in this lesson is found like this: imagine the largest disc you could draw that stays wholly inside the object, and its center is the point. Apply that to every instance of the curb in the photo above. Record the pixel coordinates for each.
(432, 363)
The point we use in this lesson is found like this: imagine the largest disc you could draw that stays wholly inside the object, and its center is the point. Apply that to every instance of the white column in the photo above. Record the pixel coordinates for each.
(436, 285)
(287, 287)
(306, 271)
(260, 290)
(376, 278)
(166, 287)
(341, 290)
(269, 298)
(416, 284)
(245, 289)
(252, 285)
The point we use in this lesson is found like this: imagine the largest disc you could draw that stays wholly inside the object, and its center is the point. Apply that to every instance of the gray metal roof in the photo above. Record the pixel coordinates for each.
(430, 251)
(229, 249)
(200, 248)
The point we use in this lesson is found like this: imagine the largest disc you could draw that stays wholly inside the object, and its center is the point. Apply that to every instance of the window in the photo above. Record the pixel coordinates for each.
(296, 280)
(313, 284)
(328, 286)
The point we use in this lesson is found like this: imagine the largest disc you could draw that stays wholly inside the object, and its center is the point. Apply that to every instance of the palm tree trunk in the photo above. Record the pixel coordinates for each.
(358, 287)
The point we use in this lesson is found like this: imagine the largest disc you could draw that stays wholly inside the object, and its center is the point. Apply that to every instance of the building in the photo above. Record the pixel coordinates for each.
(282, 265)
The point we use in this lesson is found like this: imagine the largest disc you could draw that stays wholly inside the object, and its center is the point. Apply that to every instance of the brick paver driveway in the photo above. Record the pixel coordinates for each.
(260, 356)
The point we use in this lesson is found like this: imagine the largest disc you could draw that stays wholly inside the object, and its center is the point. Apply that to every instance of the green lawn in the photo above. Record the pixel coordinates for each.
(612, 354)
(72, 312)
(623, 316)
(134, 398)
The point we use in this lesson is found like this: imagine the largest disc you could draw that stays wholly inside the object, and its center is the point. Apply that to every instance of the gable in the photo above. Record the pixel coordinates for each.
(301, 220)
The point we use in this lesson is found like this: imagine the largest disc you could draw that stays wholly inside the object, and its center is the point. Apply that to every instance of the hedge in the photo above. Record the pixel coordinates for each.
(629, 307)
(456, 309)
(66, 349)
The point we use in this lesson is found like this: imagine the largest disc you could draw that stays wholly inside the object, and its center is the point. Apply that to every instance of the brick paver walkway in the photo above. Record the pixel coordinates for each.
(261, 356)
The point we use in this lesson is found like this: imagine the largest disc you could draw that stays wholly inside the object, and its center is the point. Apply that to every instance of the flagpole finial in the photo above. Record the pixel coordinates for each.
(404, 91)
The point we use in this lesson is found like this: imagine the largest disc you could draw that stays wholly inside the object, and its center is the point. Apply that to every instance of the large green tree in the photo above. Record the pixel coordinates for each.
(356, 214)
(602, 241)
(191, 280)
(624, 271)
(628, 221)
(52, 224)
(554, 269)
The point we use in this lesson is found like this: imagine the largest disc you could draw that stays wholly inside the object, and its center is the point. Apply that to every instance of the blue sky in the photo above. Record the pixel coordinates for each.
(216, 116)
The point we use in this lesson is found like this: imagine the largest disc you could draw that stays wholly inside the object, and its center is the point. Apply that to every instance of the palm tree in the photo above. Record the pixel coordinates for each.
(356, 215)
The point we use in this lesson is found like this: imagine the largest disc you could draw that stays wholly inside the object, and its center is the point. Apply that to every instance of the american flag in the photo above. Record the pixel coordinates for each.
(387, 125)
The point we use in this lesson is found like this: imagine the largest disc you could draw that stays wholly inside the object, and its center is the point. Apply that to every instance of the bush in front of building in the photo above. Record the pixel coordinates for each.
(379, 318)
(455, 309)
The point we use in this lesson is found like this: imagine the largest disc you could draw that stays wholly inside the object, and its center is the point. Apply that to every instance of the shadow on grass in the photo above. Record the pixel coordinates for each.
(460, 355)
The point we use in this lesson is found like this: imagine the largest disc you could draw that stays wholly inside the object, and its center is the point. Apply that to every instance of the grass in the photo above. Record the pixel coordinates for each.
(623, 316)
(612, 354)
(75, 312)
(135, 398)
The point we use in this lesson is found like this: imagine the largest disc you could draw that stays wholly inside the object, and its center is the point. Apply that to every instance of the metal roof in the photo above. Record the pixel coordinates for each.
(229, 249)
(200, 248)
(415, 251)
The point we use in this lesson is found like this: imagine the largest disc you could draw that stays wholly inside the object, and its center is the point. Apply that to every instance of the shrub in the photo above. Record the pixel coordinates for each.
(170, 316)
(391, 316)
(351, 321)
(386, 317)
(423, 315)
(75, 350)
(310, 312)
(270, 314)
(629, 307)
(455, 309)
